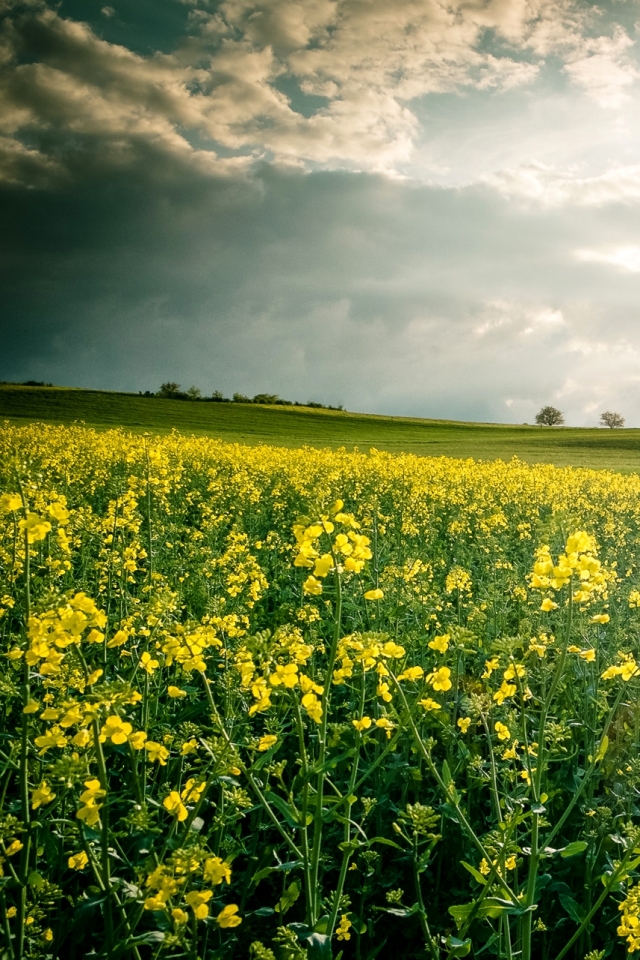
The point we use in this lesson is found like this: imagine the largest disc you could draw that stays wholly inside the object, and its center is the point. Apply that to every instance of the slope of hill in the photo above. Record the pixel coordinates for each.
(297, 426)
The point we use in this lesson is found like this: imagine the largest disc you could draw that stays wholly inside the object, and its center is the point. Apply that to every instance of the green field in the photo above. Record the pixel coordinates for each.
(297, 426)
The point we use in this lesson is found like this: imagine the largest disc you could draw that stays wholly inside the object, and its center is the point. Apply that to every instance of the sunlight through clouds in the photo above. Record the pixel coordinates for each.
(414, 207)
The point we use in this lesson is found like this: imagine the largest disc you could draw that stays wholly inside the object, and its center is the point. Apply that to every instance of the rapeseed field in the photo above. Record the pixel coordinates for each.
(274, 703)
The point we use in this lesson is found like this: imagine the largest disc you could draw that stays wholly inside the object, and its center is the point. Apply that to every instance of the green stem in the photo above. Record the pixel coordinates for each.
(536, 781)
(318, 824)
(464, 823)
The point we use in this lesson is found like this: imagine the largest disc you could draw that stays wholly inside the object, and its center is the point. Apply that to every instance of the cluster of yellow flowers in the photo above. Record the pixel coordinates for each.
(630, 923)
(348, 550)
(577, 566)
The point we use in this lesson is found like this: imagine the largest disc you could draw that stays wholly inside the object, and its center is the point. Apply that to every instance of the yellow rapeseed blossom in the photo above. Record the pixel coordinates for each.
(362, 724)
(441, 643)
(266, 742)
(78, 861)
(229, 916)
(502, 731)
(198, 900)
(439, 679)
(376, 594)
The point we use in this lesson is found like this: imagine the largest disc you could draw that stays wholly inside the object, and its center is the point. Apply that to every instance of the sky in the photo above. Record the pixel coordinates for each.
(418, 207)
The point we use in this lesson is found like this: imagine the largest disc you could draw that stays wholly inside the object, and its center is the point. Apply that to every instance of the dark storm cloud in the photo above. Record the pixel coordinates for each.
(244, 196)
(353, 289)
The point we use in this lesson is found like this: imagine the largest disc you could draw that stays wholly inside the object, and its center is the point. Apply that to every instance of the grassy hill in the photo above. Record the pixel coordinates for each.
(297, 426)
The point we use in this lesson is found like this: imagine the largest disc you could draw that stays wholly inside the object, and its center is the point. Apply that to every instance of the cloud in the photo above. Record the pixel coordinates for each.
(322, 83)
(345, 288)
(624, 258)
(603, 68)
(548, 186)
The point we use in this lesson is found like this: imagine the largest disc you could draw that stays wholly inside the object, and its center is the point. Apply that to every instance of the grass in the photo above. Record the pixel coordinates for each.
(299, 426)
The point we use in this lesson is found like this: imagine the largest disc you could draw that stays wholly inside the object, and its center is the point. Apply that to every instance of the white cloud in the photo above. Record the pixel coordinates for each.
(368, 62)
(550, 187)
(624, 258)
(602, 67)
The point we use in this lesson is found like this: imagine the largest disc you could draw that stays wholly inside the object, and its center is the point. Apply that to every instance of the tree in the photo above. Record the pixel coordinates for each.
(194, 393)
(169, 389)
(549, 417)
(611, 420)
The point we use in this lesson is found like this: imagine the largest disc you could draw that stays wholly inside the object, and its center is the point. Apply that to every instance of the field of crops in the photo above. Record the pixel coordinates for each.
(274, 703)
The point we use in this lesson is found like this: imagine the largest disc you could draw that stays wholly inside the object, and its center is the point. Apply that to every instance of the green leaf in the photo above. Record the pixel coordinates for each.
(489, 907)
(573, 849)
(384, 841)
(574, 909)
(287, 810)
(474, 873)
(288, 898)
(458, 948)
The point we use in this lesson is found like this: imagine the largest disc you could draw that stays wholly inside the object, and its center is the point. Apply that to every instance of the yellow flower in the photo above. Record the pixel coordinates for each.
(441, 644)
(506, 690)
(323, 565)
(14, 847)
(484, 867)
(176, 693)
(10, 502)
(197, 900)
(430, 704)
(464, 723)
(601, 618)
(32, 707)
(548, 604)
(192, 790)
(588, 655)
(228, 916)
(382, 690)
(342, 930)
(78, 861)
(216, 871)
(51, 738)
(174, 805)
(393, 650)
(611, 672)
(502, 731)
(82, 738)
(189, 746)
(148, 663)
(116, 730)
(266, 742)
(411, 673)
(288, 676)
(138, 739)
(157, 753)
(514, 670)
(313, 706)
(439, 679)
(489, 667)
(312, 586)
(35, 527)
(179, 916)
(41, 795)
(363, 724)
(376, 594)
(47, 935)
(11, 912)
(383, 724)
